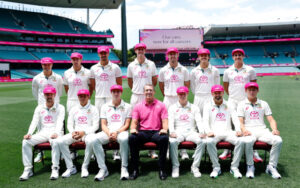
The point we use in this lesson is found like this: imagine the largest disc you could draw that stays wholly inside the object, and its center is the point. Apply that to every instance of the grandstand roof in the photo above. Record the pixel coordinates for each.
(97, 4)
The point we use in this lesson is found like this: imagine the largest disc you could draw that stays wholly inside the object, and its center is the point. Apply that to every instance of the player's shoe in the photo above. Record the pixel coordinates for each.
(84, 172)
(250, 171)
(124, 174)
(236, 173)
(273, 172)
(256, 157)
(54, 174)
(101, 175)
(152, 154)
(216, 172)
(116, 155)
(195, 172)
(27, 173)
(74, 154)
(184, 155)
(175, 172)
(39, 157)
(93, 158)
(226, 154)
(69, 172)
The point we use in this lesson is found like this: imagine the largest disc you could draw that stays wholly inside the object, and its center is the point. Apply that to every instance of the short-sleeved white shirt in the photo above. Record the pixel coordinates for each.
(76, 81)
(237, 80)
(40, 81)
(254, 114)
(105, 77)
(203, 79)
(173, 78)
(115, 116)
(141, 74)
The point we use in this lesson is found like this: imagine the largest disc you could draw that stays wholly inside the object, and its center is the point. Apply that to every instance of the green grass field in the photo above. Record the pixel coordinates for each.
(16, 110)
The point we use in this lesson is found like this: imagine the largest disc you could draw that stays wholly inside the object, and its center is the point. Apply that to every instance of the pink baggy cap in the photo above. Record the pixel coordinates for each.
(116, 87)
(47, 60)
(217, 88)
(49, 90)
(172, 49)
(203, 51)
(83, 92)
(103, 49)
(238, 50)
(140, 45)
(76, 55)
(182, 89)
(251, 84)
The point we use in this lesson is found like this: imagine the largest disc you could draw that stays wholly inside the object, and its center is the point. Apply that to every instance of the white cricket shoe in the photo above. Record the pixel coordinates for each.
(116, 155)
(27, 173)
(84, 172)
(216, 172)
(250, 171)
(196, 172)
(38, 157)
(124, 174)
(74, 154)
(273, 172)
(175, 172)
(236, 173)
(152, 154)
(69, 172)
(184, 155)
(256, 157)
(54, 174)
(101, 175)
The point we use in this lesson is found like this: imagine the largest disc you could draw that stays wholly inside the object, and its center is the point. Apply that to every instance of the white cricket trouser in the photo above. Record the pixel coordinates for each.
(228, 136)
(136, 98)
(232, 105)
(201, 99)
(170, 100)
(72, 103)
(61, 145)
(101, 138)
(191, 136)
(101, 101)
(264, 135)
(38, 138)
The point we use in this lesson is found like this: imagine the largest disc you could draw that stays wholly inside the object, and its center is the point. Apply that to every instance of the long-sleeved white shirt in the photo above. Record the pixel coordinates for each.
(83, 118)
(183, 119)
(48, 120)
(40, 81)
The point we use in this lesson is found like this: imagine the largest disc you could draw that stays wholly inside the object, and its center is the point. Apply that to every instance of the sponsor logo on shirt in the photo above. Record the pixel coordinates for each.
(254, 115)
(48, 119)
(239, 79)
(77, 82)
(142, 74)
(103, 77)
(174, 78)
(184, 117)
(220, 117)
(82, 120)
(203, 79)
(116, 118)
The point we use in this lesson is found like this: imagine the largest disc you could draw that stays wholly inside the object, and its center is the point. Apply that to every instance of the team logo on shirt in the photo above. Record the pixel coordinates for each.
(142, 74)
(238, 79)
(49, 85)
(116, 118)
(82, 120)
(48, 119)
(203, 79)
(174, 78)
(254, 115)
(77, 82)
(220, 117)
(184, 117)
(103, 77)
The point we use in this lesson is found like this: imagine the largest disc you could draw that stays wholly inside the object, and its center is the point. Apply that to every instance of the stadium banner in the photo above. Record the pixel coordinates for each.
(161, 39)
(4, 71)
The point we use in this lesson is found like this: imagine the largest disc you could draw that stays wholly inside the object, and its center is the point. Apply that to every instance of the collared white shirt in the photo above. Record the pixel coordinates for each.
(173, 78)
(115, 116)
(237, 80)
(76, 81)
(83, 118)
(105, 77)
(254, 114)
(203, 79)
(48, 120)
(183, 119)
(40, 81)
(141, 74)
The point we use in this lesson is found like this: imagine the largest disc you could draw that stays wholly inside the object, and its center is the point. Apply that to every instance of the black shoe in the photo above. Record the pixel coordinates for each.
(162, 175)
(134, 175)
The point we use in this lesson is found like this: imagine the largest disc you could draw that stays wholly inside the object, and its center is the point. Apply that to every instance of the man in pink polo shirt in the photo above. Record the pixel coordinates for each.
(152, 117)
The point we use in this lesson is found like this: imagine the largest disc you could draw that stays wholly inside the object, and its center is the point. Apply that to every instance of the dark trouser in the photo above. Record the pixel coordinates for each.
(137, 140)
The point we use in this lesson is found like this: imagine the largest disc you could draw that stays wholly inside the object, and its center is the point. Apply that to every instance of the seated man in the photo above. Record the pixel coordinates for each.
(251, 112)
(48, 118)
(152, 117)
(183, 117)
(115, 120)
(83, 121)
(217, 124)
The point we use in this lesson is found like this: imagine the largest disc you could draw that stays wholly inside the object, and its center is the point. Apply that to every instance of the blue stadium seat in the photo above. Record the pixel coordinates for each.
(19, 55)
(54, 55)
(283, 59)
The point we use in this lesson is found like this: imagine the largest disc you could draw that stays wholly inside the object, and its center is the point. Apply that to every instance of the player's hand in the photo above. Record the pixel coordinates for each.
(133, 131)
(246, 133)
(163, 131)
(54, 136)
(275, 132)
(239, 133)
(74, 134)
(27, 136)
(202, 135)
(211, 134)
(173, 135)
(113, 136)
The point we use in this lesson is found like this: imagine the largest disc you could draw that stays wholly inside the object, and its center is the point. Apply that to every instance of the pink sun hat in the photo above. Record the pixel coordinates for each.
(251, 84)
(238, 50)
(217, 88)
(203, 51)
(116, 87)
(46, 60)
(140, 45)
(49, 90)
(182, 89)
(83, 92)
(76, 55)
(103, 49)
(172, 49)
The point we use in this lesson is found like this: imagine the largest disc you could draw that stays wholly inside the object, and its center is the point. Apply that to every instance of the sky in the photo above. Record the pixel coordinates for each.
(145, 14)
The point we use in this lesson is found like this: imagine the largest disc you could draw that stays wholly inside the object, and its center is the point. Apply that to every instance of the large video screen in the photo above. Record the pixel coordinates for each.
(184, 39)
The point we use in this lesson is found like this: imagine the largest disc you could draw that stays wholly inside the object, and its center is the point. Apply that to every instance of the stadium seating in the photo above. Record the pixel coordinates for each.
(216, 61)
(283, 59)
(30, 22)
(54, 55)
(7, 21)
(20, 55)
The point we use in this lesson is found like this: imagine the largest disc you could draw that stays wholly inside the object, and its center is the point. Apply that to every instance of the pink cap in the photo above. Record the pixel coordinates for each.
(76, 55)
(49, 90)
(251, 84)
(103, 49)
(172, 49)
(116, 87)
(217, 88)
(47, 60)
(182, 89)
(238, 50)
(140, 45)
(203, 51)
(83, 92)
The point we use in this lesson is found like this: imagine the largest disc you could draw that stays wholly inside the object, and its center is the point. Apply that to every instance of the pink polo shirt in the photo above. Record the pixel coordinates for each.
(150, 116)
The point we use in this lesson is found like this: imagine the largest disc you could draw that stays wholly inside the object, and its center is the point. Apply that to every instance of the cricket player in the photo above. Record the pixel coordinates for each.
(83, 121)
(115, 120)
(234, 80)
(48, 121)
(203, 77)
(251, 112)
(217, 122)
(75, 78)
(183, 118)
